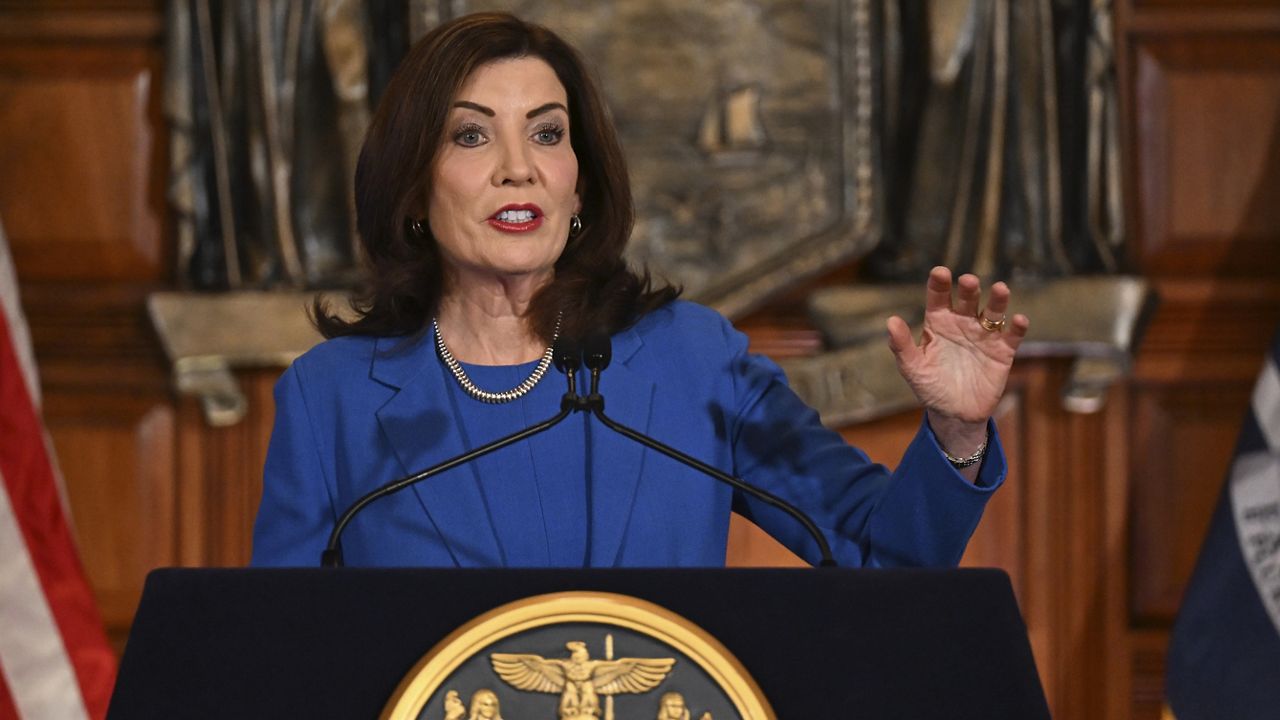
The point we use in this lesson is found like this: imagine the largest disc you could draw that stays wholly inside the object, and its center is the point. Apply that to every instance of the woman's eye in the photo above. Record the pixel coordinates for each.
(469, 137)
(548, 135)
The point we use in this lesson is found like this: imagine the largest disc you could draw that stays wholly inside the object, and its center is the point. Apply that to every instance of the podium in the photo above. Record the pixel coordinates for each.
(819, 643)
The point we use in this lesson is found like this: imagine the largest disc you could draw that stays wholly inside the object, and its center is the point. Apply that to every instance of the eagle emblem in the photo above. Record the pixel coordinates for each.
(579, 679)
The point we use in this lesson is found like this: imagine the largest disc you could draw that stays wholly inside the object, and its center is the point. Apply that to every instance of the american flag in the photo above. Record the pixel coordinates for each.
(55, 661)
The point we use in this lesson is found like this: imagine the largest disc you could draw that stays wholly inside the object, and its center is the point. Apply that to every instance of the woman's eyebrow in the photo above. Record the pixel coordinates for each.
(546, 108)
(475, 106)
(490, 112)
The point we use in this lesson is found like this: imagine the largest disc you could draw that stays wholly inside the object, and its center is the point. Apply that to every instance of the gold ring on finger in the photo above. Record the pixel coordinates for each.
(991, 325)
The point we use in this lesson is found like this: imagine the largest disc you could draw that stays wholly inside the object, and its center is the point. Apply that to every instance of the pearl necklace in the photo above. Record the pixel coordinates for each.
(485, 396)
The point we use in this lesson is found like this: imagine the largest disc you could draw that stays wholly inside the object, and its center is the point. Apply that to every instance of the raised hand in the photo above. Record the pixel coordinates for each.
(960, 367)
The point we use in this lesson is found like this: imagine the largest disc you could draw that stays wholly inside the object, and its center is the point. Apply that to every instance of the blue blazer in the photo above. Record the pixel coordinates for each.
(357, 412)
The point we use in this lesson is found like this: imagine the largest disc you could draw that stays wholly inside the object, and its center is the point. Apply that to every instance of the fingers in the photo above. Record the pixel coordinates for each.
(900, 340)
(968, 300)
(997, 302)
(937, 294)
(1018, 326)
(968, 295)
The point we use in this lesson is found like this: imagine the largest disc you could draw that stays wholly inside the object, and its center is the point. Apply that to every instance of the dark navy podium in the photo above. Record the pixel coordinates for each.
(820, 643)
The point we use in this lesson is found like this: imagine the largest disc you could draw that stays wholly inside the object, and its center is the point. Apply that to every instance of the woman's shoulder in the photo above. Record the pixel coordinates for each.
(350, 357)
(339, 352)
(684, 329)
(685, 319)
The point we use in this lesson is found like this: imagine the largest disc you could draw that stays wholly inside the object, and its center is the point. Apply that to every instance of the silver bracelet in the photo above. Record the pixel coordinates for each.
(977, 455)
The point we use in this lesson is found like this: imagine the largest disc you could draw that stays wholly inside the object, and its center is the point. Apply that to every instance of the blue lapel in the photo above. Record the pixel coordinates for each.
(617, 462)
(422, 430)
(511, 497)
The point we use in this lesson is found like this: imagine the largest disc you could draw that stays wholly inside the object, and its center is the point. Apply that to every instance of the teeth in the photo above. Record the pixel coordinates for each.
(515, 216)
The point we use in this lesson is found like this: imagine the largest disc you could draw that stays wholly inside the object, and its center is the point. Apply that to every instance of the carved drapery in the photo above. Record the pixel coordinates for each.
(1000, 130)
(258, 97)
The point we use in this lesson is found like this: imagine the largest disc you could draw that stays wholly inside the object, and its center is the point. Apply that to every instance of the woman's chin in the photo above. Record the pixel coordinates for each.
(523, 270)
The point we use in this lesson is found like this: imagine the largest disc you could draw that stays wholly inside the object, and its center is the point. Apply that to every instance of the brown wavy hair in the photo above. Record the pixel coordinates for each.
(593, 288)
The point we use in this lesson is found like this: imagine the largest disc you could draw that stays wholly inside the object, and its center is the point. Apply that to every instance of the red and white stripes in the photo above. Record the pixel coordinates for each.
(55, 661)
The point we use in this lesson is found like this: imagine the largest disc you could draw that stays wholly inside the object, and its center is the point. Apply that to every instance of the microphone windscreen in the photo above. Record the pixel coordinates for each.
(597, 350)
(567, 355)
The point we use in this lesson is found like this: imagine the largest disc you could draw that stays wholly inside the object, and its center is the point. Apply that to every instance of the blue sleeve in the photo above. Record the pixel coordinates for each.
(296, 514)
(922, 514)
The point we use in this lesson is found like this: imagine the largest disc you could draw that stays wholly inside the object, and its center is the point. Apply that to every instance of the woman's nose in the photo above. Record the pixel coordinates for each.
(514, 166)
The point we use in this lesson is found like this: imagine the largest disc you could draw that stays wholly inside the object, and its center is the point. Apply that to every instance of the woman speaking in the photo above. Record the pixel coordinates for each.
(494, 208)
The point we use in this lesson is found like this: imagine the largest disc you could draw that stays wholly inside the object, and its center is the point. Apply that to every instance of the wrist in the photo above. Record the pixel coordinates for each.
(964, 443)
(974, 458)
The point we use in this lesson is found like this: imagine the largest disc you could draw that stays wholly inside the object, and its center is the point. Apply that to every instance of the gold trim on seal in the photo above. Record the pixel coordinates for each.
(623, 611)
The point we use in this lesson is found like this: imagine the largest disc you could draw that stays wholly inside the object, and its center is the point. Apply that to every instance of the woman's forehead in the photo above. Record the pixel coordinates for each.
(513, 83)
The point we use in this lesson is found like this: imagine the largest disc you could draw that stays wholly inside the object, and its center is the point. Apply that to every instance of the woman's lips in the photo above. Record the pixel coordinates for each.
(517, 218)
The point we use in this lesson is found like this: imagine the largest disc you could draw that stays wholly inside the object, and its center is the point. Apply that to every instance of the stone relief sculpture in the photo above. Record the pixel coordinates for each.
(747, 126)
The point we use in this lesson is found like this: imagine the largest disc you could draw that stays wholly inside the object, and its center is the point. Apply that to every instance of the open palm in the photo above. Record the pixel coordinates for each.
(959, 368)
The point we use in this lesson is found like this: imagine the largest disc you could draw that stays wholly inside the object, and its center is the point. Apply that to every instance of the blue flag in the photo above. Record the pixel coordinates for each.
(1224, 659)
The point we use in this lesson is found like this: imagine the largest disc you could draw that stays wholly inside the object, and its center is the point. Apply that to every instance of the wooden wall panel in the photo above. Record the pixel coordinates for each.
(1207, 116)
(1073, 546)
(1185, 5)
(749, 546)
(1183, 440)
(220, 476)
(1000, 539)
(1200, 84)
(116, 455)
(79, 195)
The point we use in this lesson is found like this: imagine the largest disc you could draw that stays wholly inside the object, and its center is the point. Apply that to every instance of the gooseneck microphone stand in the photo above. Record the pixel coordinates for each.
(568, 358)
(598, 351)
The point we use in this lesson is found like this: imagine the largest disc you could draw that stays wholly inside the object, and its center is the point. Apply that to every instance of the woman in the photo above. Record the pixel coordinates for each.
(494, 207)
(484, 706)
(671, 707)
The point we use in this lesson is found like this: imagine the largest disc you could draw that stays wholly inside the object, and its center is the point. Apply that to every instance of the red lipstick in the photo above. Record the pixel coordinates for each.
(517, 218)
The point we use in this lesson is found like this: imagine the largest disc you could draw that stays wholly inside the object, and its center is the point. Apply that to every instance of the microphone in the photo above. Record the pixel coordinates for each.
(567, 358)
(597, 352)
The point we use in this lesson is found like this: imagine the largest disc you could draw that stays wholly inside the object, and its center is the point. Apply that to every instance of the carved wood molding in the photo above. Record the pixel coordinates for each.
(84, 21)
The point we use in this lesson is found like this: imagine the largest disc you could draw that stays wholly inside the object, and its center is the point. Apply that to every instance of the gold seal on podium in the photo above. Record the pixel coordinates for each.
(553, 656)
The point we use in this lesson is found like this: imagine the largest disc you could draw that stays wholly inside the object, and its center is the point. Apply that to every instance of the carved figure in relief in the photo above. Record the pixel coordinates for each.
(453, 707)
(485, 706)
(671, 706)
(580, 680)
